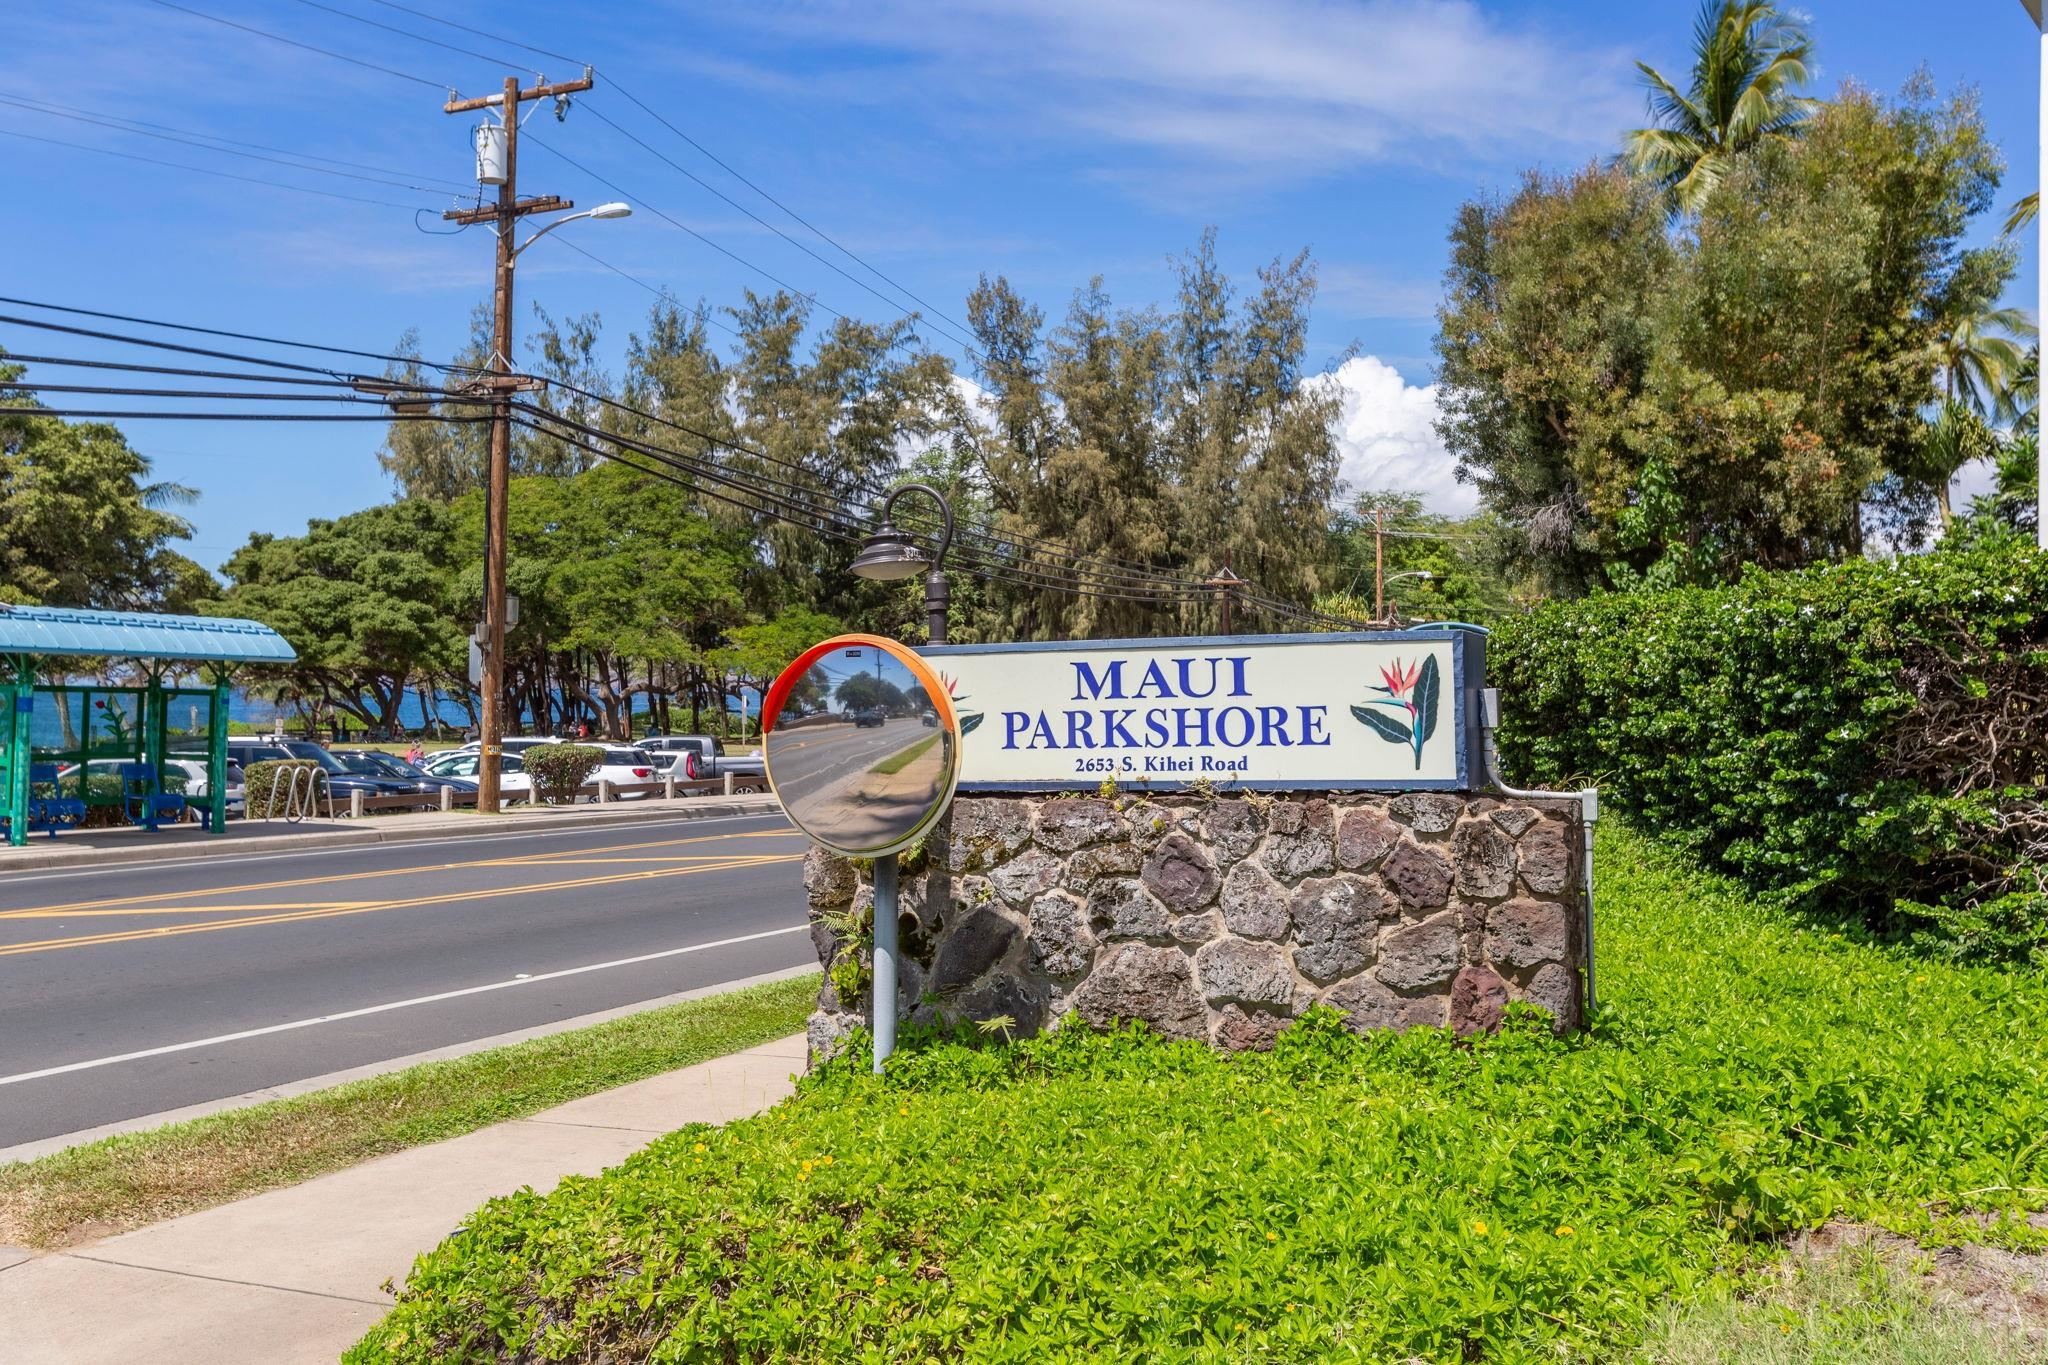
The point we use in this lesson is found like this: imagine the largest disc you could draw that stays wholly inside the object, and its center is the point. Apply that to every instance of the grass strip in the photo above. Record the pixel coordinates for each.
(126, 1181)
(896, 763)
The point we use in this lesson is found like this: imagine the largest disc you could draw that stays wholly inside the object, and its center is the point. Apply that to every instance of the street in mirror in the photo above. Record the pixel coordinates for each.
(861, 744)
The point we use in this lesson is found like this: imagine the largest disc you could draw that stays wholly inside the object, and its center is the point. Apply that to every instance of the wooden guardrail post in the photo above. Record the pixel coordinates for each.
(355, 804)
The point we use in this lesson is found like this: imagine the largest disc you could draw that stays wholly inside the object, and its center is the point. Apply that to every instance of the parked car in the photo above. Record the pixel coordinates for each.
(625, 767)
(705, 756)
(248, 749)
(511, 744)
(377, 763)
(462, 764)
(182, 776)
(869, 716)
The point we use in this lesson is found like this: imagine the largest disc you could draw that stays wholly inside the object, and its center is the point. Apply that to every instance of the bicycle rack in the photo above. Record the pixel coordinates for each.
(301, 798)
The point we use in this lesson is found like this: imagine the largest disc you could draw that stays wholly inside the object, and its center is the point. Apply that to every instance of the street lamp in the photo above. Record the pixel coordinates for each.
(890, 555)
(615, 209)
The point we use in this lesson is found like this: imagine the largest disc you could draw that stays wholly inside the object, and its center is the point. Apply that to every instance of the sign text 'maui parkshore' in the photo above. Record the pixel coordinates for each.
(1372, 710)
(1181, 714)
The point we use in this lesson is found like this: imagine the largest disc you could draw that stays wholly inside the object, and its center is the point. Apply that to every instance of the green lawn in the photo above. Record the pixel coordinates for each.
(1083, 1197)
(122, 1182)
(897, 762)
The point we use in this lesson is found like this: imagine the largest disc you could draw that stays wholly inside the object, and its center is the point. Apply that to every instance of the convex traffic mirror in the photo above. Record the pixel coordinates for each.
(862, 746)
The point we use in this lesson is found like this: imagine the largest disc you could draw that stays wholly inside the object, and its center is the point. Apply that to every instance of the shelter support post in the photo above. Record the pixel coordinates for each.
(21, 701)
(217, 758)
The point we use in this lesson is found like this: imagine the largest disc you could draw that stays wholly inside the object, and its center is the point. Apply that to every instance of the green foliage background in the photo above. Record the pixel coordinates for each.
(1867, 737)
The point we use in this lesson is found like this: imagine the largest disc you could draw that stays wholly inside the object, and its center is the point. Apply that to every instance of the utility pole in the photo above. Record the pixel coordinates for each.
(500, 384)
(1226, 584)
(1379, 565)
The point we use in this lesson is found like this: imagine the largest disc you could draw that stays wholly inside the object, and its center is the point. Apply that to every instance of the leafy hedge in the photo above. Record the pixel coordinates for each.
(560, 770)
(1083, 1196)
(266, 784)
(1866, 737)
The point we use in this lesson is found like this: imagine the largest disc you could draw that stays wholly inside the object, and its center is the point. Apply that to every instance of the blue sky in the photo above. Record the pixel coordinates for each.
(1048, 140)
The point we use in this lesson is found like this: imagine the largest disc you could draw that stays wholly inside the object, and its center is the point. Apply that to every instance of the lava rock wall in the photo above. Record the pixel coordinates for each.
(1218, 918)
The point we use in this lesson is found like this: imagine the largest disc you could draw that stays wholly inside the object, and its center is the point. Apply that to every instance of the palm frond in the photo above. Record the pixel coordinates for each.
(2023, 213)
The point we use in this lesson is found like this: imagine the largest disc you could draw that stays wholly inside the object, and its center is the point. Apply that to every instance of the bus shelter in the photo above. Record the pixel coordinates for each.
(156, 749)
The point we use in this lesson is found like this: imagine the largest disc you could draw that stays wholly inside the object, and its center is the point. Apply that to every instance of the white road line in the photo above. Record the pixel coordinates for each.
(394, 845)
(169, 1048)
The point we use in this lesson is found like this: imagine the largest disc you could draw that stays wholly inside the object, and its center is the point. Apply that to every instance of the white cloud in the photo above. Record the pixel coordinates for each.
(1283, 88)
(1388, 439)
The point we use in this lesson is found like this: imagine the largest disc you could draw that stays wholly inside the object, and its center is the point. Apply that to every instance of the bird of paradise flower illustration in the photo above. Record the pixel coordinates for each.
(1410, 695)
(968, 720)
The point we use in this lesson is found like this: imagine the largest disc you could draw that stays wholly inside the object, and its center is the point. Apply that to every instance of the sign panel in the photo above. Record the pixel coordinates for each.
(1391, 709)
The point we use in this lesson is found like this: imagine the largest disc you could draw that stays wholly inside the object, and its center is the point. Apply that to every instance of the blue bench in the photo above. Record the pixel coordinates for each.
(143, 803)
(54, 812)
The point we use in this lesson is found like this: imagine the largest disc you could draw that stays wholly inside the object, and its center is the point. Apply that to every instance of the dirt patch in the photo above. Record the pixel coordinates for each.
(2005, 1290)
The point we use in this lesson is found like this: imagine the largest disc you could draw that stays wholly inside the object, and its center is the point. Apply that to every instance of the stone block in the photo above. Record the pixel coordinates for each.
(1485, 858)
(1125, 909)
(1549, 855)
(973, 944)
(1417, 957)
(1242, 1030)
(1140, 981)
(829, 880)
(1067, 825)
(1420, 876)
(1364, 836)
(1026, 877)
(1254, 905)
(1478, 996)
(1180, 874)
(1020, 1000)
(1522, 933)
(1085, 868)
(1302, 839)
(1336, 925)
(1196, 929)
(1233, 828)
(1231, 969)
(1061, 942)
(1368, 1005)
(1427, 812)
(1555, 987)
(1514, 819)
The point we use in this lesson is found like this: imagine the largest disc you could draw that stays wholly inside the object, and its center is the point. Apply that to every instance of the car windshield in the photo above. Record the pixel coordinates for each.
(302, 750)
(399, 767)
(365, 764)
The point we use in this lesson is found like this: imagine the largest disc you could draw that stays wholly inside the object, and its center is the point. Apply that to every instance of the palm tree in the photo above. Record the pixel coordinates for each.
(1982, 359)
(2023, 213)
(1747, 60)
(1955, 437)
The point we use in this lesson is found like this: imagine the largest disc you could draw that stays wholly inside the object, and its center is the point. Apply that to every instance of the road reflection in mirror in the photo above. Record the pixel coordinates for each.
(862, 745)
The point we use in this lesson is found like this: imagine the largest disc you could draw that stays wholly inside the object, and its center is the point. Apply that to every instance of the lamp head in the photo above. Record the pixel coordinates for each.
(888, 555)
(615, 209)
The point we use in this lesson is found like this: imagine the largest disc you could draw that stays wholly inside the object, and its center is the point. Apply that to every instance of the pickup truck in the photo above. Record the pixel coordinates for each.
(701, 756)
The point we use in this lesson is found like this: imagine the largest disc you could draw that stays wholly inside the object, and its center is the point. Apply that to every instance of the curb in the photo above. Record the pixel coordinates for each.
(350, 835)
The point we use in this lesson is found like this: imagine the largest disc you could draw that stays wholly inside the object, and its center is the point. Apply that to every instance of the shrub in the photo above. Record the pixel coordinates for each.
(1866, 737)
(265, 785)
(559, 770)
(1084, 1196)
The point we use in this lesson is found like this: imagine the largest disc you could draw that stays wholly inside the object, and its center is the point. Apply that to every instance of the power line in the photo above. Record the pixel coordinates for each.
(207, 170)
(419, 37)
(214, 332)
(124, 124)
(479, 33)
(695, 179)
(304, 47)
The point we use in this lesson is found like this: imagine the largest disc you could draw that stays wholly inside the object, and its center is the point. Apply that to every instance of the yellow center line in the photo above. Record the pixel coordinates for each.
(40, 911)
(368, 907)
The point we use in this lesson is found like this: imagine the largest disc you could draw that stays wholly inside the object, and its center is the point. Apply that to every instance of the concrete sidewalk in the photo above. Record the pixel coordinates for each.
(112, 847)
(296, 1274)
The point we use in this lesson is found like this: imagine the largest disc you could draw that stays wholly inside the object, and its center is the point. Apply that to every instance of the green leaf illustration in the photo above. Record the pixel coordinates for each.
(1427, 689)
(967, 723)
(1388, 730)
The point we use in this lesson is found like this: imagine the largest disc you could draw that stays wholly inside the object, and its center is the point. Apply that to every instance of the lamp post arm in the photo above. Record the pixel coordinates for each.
(945, 515)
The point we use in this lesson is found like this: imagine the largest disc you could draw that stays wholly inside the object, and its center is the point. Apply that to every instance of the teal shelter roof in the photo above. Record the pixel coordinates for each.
(140, 635)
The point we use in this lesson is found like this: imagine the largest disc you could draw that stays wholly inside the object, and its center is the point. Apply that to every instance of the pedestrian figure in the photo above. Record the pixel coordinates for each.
(415, 754)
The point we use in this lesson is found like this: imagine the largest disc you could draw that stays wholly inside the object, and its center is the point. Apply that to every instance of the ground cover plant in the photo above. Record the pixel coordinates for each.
(1084, 1196)
(122, 1182)
(1866, 738)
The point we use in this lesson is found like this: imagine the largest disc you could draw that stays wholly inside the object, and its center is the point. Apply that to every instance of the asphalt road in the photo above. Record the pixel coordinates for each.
(169, 958)
(828, 775)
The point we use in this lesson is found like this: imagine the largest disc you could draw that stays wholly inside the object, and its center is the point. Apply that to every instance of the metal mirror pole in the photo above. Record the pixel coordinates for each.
(885, 959)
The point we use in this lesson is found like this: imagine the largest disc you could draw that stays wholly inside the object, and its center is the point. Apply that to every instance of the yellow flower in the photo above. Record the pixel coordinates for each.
(1290, 1308)
(881, 1279)
(803, 1175)
(1921, 977)
(825, 1160)
(1564, 1229)
(903, 1109)
(1479, 1229)
(807, 1165)
(1272, 1236)
(700, 1147)
(1267, 1110)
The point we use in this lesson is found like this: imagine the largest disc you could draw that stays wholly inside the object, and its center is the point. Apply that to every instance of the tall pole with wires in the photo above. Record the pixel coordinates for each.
(499, 384)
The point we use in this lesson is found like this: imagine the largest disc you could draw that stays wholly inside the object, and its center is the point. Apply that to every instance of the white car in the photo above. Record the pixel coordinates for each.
(626, 767)
(512, 778)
